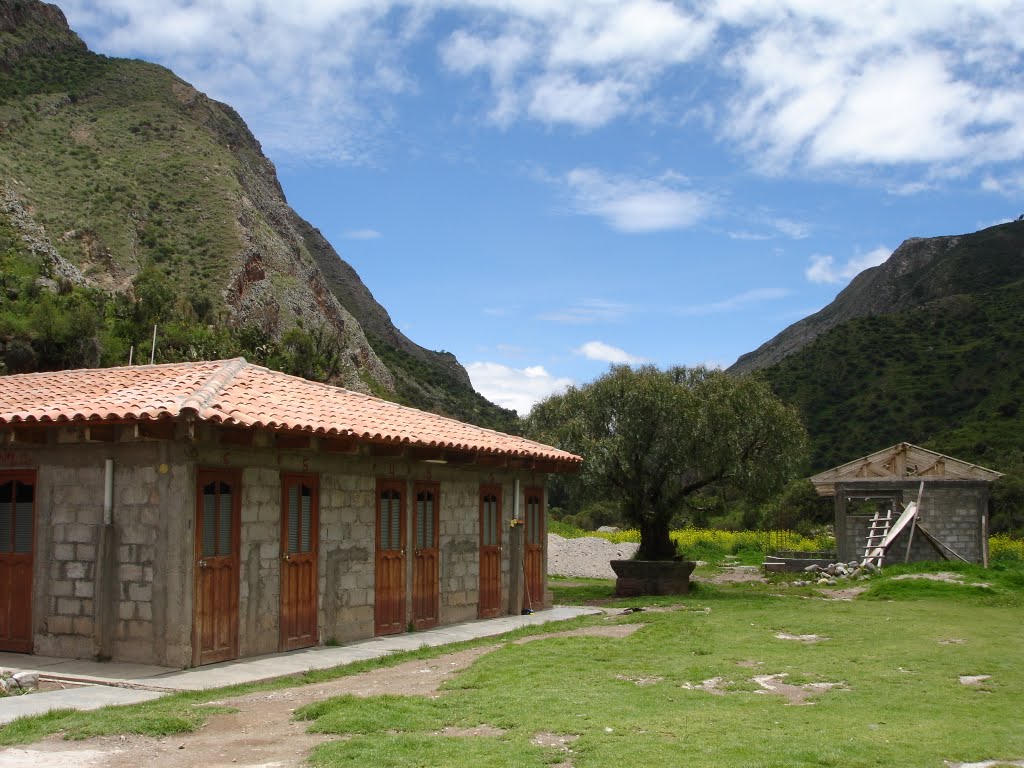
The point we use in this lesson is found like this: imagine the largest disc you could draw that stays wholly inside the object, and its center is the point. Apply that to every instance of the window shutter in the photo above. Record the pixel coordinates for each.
(6, 519)
(23, 496)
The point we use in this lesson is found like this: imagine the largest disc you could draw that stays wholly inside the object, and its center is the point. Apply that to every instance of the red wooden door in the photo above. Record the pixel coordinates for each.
(389, 588)
(534, 554)
(300, 522)
(490, 551)
(17, 545)
(426, 589)
(215, 603)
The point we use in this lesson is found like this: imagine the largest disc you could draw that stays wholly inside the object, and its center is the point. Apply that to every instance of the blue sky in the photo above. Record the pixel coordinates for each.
(545, 187)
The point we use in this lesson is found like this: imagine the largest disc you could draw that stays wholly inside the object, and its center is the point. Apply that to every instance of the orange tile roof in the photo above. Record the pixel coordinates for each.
(237, 392)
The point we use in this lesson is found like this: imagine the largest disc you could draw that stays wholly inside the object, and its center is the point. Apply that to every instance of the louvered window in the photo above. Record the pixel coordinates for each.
(534, 520)
(390, 519)
(300, 517)
(17, 498)
(489, 520)
(217, 509)
(425, 520)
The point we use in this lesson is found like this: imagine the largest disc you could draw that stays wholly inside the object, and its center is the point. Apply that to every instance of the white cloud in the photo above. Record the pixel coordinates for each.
(933, 84)
(562, 98)
(517, 388)
(606, 353)
(823, 268)
(879, 83)
(735, 303)
(636, 205)
(362, 234)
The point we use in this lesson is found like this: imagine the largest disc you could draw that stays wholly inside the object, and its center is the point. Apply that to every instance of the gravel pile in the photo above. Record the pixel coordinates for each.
(586, 556)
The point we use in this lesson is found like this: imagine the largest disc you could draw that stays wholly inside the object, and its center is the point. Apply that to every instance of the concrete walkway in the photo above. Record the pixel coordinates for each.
(107, 683)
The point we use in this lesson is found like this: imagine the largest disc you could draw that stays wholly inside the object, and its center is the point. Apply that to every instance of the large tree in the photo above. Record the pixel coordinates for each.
(651, 438)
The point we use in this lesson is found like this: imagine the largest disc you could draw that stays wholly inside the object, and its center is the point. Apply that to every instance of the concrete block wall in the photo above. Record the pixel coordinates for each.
(69, 510)
(459, 542)
(99, 595)
(259, 590)
(347, 540)
(952, 512)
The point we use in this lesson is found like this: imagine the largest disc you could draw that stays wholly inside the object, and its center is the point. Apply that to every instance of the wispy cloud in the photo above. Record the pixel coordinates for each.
(735, 303)
(606, 353)
(636, 205)
(362, 234)
(824, 269)
(517, 388)
(589, 311)
(774, 228)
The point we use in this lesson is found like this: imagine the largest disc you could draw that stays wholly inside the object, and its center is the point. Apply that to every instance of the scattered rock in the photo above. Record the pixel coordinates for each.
(801, 638)
(796, 694)
(640, 680)
(711, 686)
(26, 681)
(556, 740)
(974, 679)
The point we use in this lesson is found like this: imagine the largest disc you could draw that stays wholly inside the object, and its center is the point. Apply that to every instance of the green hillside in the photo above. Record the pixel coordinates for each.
(947, 374)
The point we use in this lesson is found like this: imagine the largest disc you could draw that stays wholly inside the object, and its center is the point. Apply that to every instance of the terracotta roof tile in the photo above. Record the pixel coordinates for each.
(237, 392)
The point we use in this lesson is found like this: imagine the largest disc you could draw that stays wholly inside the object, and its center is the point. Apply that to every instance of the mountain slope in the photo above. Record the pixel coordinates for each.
(921, 270)
(141, 189)
(943, 368)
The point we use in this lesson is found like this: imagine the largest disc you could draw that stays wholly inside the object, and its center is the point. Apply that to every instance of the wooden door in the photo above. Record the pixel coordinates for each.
(534, 555)
(389, 587)
(215, 603)
(300, 523)
(426, 587)
(17, 545)
(490, 551)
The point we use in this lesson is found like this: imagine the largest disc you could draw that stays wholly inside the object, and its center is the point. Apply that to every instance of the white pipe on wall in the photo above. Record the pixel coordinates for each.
(108, 493)
(515, 499)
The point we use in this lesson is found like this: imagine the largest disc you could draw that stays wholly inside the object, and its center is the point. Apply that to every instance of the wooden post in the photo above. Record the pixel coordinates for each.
(516, 575)
(913, 523)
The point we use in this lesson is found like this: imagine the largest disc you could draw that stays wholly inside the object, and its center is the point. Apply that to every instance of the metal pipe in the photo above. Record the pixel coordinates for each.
(108, 493)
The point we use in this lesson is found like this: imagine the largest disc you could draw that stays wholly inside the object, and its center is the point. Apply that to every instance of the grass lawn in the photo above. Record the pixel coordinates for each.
(895, 655)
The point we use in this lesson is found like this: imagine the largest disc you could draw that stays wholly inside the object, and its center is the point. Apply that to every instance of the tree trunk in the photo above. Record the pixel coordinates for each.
(655, 543)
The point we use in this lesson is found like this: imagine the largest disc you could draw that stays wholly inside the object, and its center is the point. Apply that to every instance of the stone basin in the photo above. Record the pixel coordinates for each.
(652, 577)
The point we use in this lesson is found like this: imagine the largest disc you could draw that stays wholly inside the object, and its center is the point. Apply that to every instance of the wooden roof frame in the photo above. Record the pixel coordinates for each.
(901, 462)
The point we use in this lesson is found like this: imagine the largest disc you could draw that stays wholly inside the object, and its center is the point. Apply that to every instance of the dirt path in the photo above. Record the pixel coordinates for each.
(262, 733)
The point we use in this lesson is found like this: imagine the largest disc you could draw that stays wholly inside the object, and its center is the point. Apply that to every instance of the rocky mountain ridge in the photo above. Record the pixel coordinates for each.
(120, 172)
(920, 271)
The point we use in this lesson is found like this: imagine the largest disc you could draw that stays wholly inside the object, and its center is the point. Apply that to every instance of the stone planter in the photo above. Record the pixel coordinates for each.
(652, 577)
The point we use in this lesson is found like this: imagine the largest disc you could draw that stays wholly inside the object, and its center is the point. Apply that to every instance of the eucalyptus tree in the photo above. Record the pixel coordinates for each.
(651, 438)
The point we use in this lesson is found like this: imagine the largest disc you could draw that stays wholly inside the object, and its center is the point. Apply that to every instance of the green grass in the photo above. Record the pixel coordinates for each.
(897, 652)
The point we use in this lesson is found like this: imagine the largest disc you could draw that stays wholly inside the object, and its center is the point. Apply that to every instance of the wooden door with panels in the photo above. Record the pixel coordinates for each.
(17, 551)
(216, 570)
(300, 537)
(490, 551)
(533, 557)
(426, 574)
(389, 585)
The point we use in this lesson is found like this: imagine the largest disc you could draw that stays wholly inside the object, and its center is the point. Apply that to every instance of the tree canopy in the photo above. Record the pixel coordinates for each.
(651, 438)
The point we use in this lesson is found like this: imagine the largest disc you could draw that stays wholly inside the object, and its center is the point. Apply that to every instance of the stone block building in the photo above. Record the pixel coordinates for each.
(952, 497)
(190, 513)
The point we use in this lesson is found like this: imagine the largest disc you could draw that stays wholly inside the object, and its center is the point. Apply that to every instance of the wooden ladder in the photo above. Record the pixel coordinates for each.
(874, 548)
